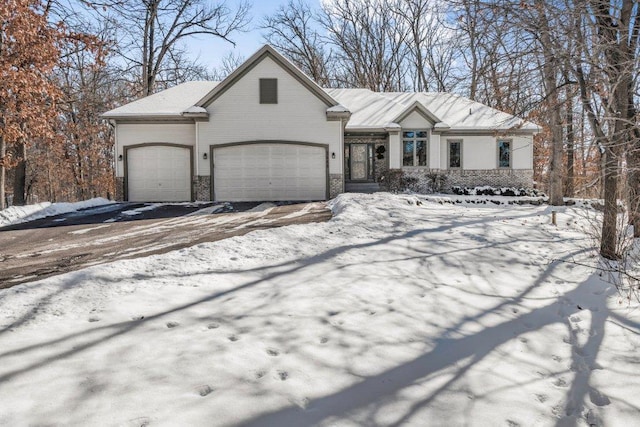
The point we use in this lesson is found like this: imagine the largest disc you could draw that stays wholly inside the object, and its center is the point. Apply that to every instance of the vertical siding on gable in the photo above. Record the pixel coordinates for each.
(237, 116)
(134, 133)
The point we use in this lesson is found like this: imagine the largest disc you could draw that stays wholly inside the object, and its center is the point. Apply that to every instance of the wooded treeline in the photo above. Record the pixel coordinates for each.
(569, 65)
(64, 62)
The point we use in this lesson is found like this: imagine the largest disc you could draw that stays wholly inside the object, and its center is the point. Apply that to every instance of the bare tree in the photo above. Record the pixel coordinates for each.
(370, 46)
(229, 63)
(293, 30)
(432, 46)
(153, 33)
(607, 69)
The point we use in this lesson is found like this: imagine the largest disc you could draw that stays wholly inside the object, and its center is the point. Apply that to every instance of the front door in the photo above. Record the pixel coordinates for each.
(359, 159)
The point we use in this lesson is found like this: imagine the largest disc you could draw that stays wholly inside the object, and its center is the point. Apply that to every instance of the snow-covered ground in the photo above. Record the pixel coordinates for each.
(18, 214)
(392, 313)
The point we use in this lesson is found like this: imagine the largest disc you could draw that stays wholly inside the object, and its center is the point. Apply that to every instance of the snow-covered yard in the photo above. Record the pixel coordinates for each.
(392, 313)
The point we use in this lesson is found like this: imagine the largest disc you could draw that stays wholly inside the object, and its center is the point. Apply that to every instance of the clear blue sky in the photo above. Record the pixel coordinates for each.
(210, 51)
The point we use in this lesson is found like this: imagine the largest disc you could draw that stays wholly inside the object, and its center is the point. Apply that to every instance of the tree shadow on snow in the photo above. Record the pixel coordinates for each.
(459, 354)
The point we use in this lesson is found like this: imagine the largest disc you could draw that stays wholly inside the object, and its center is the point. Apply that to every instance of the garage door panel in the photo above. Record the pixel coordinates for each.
(159, 173)
(269, 171)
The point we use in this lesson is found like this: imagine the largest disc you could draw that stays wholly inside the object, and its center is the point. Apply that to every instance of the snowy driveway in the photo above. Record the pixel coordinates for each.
(35, 253)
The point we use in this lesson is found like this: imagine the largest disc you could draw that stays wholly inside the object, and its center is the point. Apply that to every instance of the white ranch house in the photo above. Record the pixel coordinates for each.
(268, 133)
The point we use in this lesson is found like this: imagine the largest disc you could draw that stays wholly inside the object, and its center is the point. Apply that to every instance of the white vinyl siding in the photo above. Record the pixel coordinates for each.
(237, 116)
(480, 151)
(134, 134)
(269, 172)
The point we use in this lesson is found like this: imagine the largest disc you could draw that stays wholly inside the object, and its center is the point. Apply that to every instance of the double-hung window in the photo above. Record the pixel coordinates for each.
(414, 148)
(504, 153)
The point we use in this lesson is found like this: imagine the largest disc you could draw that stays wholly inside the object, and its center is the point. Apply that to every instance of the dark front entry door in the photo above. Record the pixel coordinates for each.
(359, 158)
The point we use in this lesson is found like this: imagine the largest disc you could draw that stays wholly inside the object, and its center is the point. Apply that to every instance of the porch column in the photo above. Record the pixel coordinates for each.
(434, 151)
(395, 150)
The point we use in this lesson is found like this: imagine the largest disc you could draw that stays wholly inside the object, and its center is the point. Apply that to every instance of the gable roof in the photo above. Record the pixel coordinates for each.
(423, 111)
(365, 110)
(173, 103)
(377, 110)
(267, 52)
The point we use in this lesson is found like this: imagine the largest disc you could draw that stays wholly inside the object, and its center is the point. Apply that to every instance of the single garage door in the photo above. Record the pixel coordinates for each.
(269, 172)
(159, 173)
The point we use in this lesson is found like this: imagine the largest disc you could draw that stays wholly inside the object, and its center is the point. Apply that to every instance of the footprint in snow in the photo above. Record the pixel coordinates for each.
(204, 390)
(233, 338)
(172, 324)
(512, 423)
(542, 398)
(139, 422)
(324, 340)
(272, 352)
(260, 374)
(283, 375)
(94, 319)
(213, 326)
(560, 382)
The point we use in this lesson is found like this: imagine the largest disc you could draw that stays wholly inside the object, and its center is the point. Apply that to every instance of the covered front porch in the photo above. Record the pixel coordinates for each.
(365, 162)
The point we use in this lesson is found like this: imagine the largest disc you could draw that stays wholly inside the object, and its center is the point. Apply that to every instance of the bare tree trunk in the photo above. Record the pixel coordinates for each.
(609, 220)
(20, 176)
(3, 152)
(549, 72)
(633, 182)
(569, 189)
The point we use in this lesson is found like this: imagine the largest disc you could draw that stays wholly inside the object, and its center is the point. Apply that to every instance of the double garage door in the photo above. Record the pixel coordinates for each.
(242, 172)
(269, 171)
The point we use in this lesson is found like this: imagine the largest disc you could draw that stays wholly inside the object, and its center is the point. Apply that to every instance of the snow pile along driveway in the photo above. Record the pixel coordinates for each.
(18, 214)
(398, 311)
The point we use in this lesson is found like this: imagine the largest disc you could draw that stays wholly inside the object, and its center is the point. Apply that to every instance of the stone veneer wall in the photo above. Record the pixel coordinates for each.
(520, 178)
(336, 184)
(202, 187)
(119, 188)
(430, 180)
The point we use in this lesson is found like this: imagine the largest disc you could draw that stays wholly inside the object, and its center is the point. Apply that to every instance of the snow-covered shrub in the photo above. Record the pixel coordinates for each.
(496, 191)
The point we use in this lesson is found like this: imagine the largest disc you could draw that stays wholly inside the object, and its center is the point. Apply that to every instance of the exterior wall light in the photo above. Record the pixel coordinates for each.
(120, 158)
(204, 156)
(333, 155)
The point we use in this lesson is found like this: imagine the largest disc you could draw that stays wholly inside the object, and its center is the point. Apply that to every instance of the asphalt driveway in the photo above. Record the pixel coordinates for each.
(55, 245)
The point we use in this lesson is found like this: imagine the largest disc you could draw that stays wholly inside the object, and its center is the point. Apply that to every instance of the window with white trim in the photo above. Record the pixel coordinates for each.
(414, 148)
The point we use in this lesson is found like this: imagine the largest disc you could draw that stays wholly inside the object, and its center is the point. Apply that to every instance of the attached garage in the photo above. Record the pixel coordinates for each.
(269, 171)
(158, 173)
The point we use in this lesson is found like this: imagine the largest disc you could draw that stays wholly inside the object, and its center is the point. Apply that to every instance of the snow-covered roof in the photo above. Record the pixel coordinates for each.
(375, 110)
(369, 110)
(172, 102)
